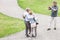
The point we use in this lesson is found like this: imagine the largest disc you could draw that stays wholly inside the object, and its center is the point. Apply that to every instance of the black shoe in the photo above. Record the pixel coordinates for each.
(33, 36)
(27, 36)
(55, 28)
(48, 29)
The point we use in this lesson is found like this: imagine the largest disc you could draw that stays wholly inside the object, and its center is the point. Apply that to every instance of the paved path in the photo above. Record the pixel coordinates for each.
(10, 8)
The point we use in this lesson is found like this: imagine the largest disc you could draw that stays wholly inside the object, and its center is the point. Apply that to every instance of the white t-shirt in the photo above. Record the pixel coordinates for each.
(26, 16)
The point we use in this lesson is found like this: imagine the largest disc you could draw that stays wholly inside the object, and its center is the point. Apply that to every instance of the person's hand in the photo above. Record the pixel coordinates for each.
(24, 17)
(37, 23)
(49, 8)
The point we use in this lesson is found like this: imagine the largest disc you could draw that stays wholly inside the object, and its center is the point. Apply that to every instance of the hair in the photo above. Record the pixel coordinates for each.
(27, 9)
(54, 2)
(30, 12)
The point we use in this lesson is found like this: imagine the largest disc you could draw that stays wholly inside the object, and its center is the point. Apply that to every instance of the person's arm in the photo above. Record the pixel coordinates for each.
(35, 19)
(49, 8)
(24, 15)
(55, 9)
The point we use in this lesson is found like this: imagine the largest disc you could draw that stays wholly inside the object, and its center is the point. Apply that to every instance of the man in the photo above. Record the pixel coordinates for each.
(54, 12)
(28, 27)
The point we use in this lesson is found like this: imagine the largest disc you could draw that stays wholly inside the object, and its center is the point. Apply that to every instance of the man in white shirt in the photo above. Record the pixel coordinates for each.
(28, 26)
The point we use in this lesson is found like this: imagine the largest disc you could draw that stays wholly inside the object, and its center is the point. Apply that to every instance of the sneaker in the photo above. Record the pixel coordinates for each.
(55, 28)
(48, 29)
(33, 36)
(27, 36)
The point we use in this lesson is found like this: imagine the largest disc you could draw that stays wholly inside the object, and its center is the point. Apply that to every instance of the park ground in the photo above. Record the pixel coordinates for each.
(38, 6)
(9, 25)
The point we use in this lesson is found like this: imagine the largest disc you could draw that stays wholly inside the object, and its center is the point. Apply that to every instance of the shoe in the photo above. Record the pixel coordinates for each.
(55, 28)
(48, 29)
(33, 36)
(27, 36)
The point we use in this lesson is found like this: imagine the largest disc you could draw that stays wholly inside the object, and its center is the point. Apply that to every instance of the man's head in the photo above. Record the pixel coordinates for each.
(27, 9)
(54, 3)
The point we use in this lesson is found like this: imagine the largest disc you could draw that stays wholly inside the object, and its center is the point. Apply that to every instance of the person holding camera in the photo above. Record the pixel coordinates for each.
(54, 12)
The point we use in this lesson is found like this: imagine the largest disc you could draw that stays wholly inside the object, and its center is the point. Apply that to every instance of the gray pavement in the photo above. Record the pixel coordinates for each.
(10, 8)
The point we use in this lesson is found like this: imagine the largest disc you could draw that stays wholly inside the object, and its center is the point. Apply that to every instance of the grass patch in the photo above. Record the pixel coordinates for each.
(38, 6)
(9, 25)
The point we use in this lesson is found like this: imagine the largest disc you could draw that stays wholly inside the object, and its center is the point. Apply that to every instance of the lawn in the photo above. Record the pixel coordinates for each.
(38, 6)
(9, 25)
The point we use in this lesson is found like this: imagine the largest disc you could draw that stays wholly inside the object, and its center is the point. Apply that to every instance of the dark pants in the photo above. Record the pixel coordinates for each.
(28, 27)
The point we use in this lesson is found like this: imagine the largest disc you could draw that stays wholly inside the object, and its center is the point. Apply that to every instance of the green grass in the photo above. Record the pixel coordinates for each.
(9, 25)
(38, 6)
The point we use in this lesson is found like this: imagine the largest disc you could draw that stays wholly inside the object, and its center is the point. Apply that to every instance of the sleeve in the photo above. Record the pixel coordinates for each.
(24, 14)
(35, 18)
(54, 9)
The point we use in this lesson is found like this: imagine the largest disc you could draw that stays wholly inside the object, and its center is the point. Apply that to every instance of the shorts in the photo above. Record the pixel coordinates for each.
(33, 25)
